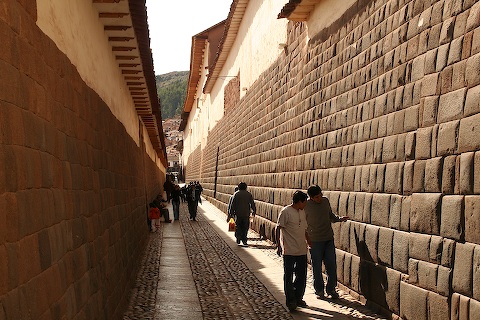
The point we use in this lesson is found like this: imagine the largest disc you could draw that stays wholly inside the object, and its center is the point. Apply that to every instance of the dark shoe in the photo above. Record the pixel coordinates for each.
(245, 243)
(291, 306)
(320, 295)
(333, 295)
(238, 241)
(302, 303)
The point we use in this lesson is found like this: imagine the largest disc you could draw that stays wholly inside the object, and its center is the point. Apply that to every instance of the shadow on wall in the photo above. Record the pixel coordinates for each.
(372, 278)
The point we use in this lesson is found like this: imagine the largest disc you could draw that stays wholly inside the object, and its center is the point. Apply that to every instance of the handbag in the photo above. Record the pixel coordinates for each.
(231, 225)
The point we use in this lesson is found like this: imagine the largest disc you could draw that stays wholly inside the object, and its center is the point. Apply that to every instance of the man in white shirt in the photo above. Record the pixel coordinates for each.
(292, 243)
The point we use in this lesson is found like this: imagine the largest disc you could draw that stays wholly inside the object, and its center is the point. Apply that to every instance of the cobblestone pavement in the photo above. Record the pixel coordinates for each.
(226, 286)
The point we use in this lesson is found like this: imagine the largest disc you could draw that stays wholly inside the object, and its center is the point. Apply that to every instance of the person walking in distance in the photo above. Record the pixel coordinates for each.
(292, 241)
(241, 206)
(322, 247)
(176, 193)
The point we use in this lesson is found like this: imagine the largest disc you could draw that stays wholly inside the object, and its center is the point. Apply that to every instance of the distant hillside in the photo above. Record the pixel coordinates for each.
(172, 88)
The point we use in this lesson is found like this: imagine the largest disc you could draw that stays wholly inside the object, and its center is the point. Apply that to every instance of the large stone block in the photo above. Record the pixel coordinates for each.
(476, 173)
(448, 176)
(400, 251)
(389, 149)
(425, 213)
(413, 302)
(473, 19)
(474, 309)
(385, 246)
(405, 217)
(380, 209)
(433, 175)
(472, 219)
(436, 249)
(367, 207)
(452, 217)
(444, 281)
(412, 118)
(408, 174)
(392, 290)
(429, 107)
(419, 176)
(447, 138)
(370, 251)
(476, 273)
(438, 307)
(448, 253)
(462, 271)
(472, 71)
(430, 85)
(465, 181)
(460, 307)
(419, 246)
(395, 211)
(427, 275)
(472, 102)
(450, 106)
(423, 144)
(394, 178)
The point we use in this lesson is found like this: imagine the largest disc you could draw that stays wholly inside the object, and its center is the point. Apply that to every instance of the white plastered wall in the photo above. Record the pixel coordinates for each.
(255, 48)
(75, 28)
(325, 13)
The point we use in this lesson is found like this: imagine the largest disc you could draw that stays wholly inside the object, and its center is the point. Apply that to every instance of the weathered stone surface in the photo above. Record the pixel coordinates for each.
(444, 276)
(392, 290)
(380, 209)
(476, 274)
(419, 246)
(447, 138)
(423, 143)
(472, 219)
(448, 176)
(465, 179)
(452, 217)
(395, 211)
(385, 246)
(462, 271)
(438, 307)
(425, 213)
(433, 174)
(413, 302)
(450, 106)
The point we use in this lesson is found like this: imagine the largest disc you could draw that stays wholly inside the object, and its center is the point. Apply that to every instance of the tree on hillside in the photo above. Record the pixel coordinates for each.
(172, 89)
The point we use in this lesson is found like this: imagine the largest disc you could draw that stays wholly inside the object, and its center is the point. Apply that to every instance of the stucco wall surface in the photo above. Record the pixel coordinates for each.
(384, 115)
(74, 184)
(76, 30)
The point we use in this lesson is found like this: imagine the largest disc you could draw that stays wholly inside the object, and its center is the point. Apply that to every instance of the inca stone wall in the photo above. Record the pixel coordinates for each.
(384, 114)
(73, 185)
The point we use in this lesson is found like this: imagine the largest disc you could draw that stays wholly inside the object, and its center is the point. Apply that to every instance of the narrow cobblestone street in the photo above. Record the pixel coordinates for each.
(195, 270)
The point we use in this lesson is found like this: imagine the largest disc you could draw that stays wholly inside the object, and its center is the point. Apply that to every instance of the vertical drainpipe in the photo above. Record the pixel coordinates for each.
(216, 176)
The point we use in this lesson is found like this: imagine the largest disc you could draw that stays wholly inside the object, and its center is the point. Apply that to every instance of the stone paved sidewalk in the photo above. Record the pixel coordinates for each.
(194, 269)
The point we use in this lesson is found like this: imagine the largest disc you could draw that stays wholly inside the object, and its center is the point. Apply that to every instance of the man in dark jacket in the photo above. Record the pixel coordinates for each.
(241, 207)
(320, 234)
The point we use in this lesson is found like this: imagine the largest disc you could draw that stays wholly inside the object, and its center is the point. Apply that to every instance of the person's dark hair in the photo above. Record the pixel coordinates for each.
(313, 191)
(242, 186)
(152, 205)
(299, 196)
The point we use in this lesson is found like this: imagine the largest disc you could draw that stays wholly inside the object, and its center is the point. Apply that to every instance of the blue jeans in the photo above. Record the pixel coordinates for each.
(324, 251)
(294, 289)
(176, 209)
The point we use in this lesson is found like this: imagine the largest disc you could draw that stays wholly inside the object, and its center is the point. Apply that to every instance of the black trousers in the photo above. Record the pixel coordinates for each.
(294, 266)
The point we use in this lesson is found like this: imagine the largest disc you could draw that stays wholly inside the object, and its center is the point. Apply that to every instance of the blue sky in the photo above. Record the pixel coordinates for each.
(172, 25)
